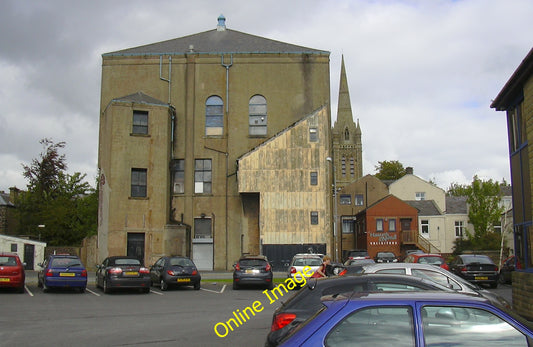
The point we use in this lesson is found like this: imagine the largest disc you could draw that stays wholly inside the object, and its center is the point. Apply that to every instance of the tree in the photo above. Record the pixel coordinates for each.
(484, 211)
(65, 204)
(390, 170)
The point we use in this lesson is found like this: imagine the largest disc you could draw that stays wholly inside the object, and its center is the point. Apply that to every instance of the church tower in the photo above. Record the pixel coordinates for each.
(347, 146)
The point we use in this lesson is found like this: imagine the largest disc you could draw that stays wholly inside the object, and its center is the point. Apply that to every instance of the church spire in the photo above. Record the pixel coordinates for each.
(344, 109)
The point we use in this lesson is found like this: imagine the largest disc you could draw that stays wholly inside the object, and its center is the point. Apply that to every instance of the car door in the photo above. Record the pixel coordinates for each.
(100, 272)
(156, 269)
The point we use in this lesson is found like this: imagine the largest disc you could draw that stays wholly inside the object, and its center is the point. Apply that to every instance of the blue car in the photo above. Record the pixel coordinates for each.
(62, 271)
(411, 319)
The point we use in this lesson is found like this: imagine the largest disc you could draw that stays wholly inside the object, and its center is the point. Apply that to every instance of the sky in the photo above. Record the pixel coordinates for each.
(421, 73)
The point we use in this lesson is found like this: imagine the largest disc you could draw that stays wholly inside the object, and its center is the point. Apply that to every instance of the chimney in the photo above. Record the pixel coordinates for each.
(409, 170)
(221, 26)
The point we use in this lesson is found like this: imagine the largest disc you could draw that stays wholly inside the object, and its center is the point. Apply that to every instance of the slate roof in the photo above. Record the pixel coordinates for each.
(4, 200)
(425, 207)
(140, 98)
(456, 205)
(217, 41)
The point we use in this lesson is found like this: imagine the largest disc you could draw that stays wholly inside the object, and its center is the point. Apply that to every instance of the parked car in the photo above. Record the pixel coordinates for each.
(476, 268)
(62, 271)
(351, 262)
(385, 257)
(438, 275)
(252, 270)
(12, 273)
(506, 270)
(301, 260)
(305, 302)
(355, 254)
(427, 258)
(409, 319)
(123, 272)
(175, 271)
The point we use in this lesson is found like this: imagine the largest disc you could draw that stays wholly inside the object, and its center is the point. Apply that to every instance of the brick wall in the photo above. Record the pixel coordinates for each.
(522, 298)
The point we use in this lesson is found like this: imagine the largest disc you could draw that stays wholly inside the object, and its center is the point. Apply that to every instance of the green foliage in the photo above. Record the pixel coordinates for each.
(484, 211)
(389, 170)
(65, 204)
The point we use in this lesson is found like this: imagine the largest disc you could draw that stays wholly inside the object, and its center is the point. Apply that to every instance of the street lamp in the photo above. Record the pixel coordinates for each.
(334, 206)
(40, 226)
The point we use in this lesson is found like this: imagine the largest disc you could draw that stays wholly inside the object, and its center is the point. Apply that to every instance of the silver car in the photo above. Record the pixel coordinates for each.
(435, 274)
(301, 260)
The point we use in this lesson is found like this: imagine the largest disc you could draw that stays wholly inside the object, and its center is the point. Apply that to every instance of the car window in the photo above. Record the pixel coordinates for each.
(181, 262)
(436, 277)
(375, 326)
(392, 271)
(477, 259)
(460, 326)
(127, 261)
(307, 262)
(431, 260)
(8, 261)
(64, 262)
(394, 287)
(252, 262)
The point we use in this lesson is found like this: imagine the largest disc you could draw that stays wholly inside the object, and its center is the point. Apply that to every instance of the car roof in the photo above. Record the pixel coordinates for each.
(399, 266)
(422, 255)
(427, 295)
(316, 255)
(362, 277)
(122, 257)
(8, 254)
(63, 256)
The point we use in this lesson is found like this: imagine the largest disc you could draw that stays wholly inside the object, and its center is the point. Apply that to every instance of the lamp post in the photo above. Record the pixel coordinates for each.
(40, 226)
(334, 206)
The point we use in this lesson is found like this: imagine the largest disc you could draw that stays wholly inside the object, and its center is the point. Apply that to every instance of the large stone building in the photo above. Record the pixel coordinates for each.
(516, 99)
(213, 145)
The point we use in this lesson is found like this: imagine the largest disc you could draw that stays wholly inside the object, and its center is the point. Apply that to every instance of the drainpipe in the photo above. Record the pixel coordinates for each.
(227, 66)
(169, 80)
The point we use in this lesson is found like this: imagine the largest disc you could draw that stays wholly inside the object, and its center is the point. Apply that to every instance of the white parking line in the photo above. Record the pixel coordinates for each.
(28, 290)
(214, 291)
(158, 293)
(93, 293)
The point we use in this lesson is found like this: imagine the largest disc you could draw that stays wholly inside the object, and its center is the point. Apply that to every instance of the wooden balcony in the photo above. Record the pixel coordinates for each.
(411, 237)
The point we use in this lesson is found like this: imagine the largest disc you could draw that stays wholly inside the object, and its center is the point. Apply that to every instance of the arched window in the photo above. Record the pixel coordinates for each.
(214, 116)
(257, 109)
(346, 135)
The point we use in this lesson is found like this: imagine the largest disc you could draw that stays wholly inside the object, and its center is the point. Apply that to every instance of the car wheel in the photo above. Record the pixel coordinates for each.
(197, 286)
(39, 284)
(235, 285)
(494, 285)
(271, 285)
(146, 290)
(82, 290)
(21, 290)
(501, 279)
(106, 287)
(45, 287)
(163, 284)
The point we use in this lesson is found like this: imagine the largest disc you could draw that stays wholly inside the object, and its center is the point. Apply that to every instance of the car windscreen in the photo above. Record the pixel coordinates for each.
(180, 262)
(307, 262)
(127, 261)
(431, 260)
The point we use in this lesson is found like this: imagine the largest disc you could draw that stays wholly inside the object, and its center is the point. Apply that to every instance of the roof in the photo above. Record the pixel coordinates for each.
(425, 207)
(456, 205)
(513, 89)
(5, 201)
(140, 98)
(217, 41)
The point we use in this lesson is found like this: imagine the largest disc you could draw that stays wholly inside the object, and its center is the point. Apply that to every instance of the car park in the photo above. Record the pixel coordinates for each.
(386, 257)
(476, 268)
(305, 302)
(123, 272)
(301, 260)
(427, 258)
(411, 319)
(174, 272)
(12, 274)
(252, 270)
(506, 270)
(62, 271)
(438, 275)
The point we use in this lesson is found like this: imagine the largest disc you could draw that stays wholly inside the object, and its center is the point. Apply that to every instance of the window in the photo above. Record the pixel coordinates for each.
(202, 176)
(140, 122)
(257, 113)
(138, 183)
(392, 224)
(348, 225)
(352, 167)
(497, 227)
(420, 196)
(214, 116)
(343, 166)
(202, 228)
(424, 227)
(178, 176)
(13, 247)
(314, 217)
(359, 200)
(436, 277)
(379, 224)
(313, 135)
(346, 199)
(517, 128)
(454, 325)
(378, 326)
(346, 135)
(314, 178)
(459, 228)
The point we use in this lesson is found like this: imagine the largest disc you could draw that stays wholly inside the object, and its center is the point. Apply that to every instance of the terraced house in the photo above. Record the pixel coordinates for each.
(214, 145)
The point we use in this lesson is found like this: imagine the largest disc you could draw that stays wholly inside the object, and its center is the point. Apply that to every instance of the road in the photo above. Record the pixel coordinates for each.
(181, 316)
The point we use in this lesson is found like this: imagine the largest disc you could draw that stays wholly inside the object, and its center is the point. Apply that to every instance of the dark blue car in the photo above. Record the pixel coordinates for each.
(411, 319)
(62, 271)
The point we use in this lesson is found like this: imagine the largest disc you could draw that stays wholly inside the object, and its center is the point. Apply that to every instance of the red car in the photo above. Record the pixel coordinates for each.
(12, 273)
(425, 258)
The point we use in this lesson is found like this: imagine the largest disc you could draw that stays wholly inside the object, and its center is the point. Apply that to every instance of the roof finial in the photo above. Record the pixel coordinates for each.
(221, 26)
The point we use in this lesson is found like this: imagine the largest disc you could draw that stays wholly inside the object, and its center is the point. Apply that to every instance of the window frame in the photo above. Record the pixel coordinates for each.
(203, 176)
(214, 116)
(257, 116)
(379, 225)
(178, 176)
(140, 121)
(139, 183)
(424, 226)
(313, 178)
(314, 217)
(345, 199)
